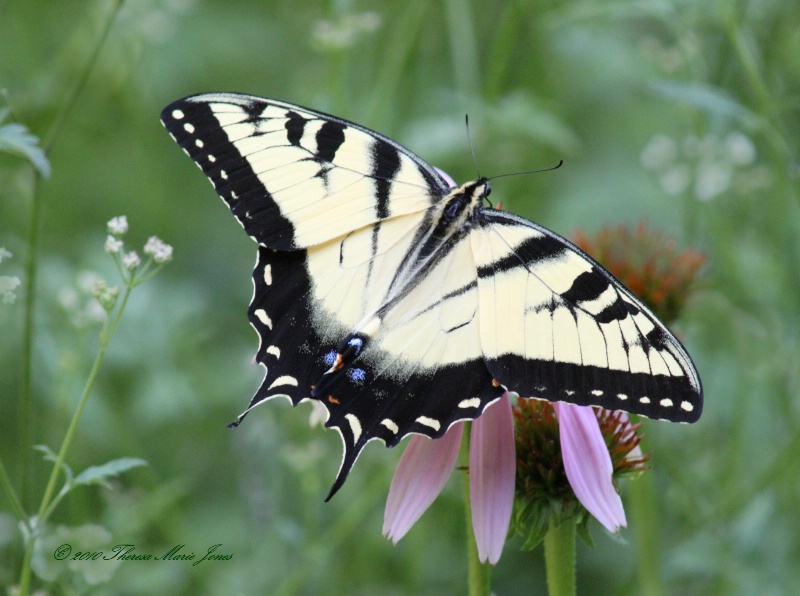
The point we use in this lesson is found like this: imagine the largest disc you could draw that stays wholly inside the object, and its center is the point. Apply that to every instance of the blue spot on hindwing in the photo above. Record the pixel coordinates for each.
(330, 358)
(357, 375)
(356, 343)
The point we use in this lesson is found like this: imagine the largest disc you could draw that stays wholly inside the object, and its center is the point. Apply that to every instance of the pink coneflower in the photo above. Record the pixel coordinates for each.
(560, 459)
(568, 457)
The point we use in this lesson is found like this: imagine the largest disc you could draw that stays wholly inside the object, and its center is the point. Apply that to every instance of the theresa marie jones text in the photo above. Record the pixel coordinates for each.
(128, 552)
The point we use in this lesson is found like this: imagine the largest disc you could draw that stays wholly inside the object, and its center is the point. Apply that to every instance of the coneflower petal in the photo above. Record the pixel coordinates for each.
(420, 476)
(492, 473)
(588, 464)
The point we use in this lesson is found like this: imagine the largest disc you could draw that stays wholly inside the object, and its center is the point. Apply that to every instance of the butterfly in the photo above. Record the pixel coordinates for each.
(403, 304)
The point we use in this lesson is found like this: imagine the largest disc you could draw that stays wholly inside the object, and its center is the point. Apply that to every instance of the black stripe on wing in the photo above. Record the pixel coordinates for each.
(196, 129)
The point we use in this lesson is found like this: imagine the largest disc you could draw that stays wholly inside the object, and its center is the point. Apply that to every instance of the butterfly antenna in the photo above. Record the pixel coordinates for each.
(471, 148)
(555, 167)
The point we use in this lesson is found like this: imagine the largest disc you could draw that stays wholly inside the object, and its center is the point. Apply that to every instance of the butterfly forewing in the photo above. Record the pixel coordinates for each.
(294, 177)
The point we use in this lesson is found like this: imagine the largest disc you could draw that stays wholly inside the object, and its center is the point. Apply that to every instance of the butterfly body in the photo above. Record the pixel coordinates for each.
(404, 305)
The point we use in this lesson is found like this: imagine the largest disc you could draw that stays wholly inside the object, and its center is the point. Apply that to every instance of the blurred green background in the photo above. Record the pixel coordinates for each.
(682, 114)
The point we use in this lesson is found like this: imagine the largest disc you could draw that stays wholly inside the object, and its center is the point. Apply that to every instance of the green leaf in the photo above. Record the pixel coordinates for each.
(15, 138)
(50, 455)
(582, 527)
(99, 474)
(536, 534)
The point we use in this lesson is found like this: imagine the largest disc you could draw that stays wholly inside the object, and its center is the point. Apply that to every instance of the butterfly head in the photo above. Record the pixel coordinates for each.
(484, 187)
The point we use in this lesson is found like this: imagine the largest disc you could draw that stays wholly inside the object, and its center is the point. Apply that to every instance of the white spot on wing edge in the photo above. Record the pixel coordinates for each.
(284, 380)
(429, 422)
(199, 143)
(685, 405)
(644, 400)
(355, 426)
(274, 350)
(390, 425)
(473, 402)
(262, 316)
(596, 392)
(666, 402)
(177, 114)
(268, 274)
(188, 127)
(622, 396)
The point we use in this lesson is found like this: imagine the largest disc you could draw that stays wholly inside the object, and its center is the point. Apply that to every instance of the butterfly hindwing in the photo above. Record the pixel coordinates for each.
(420, 351)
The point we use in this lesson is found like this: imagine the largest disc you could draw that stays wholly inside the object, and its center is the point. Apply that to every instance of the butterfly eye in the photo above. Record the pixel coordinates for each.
(488, 191)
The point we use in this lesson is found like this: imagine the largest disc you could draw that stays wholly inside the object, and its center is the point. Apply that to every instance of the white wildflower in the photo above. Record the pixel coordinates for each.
(708, 165)
(105, 295)
(660, 151)
(712, 179)
(344, 32)
(81, 313)
(740, 148)
(118, 225)
(158, 249)
(8, 284)
(131, 261)
(163, 254)
(113, 245)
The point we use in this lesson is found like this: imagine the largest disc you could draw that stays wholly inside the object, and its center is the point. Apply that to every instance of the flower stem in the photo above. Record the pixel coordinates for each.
(109, 326)
(479, 574)
(642, 501)
(559, 557)
(24, 421)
